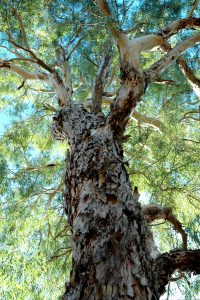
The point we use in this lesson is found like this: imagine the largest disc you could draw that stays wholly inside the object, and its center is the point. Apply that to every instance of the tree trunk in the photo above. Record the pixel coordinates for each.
(111, 241)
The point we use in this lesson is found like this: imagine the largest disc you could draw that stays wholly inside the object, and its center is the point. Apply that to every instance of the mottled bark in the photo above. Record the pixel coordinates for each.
(114, 256)
(111, 241)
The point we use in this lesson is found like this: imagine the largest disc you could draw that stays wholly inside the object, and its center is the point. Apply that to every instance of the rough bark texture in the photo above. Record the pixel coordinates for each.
(111, 241)
(167, 263)
(114, 256)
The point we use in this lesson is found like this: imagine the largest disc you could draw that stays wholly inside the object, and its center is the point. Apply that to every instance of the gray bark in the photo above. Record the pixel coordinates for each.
(111, 240)
(113, 251)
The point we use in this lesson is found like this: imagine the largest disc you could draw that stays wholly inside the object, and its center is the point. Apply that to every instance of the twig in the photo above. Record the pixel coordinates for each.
(193, 8)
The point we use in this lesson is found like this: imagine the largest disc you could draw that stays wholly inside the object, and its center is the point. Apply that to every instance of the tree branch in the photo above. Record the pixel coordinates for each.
(74, 48)
(154, 212)
(156, 123)
(165, 81)
(188, 73)
(13, 52)
(193, 80)
(153, 122)
(150, 41)
(99, 83)
(17, 16)
(38, 60)
(167, 263)
(133, 81)
(193, 8)
(113, 26)
(178, 25)
(63, 87)
(23, 73)
(64, 84)
(171, 56)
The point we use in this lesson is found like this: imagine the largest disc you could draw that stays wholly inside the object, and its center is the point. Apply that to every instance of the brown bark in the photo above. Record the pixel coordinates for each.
(167, 263)
(114, 256)
(110, 239)
(99, 84)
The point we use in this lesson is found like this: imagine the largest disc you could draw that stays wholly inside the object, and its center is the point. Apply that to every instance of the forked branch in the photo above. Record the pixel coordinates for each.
(186, 70)
(158, 67)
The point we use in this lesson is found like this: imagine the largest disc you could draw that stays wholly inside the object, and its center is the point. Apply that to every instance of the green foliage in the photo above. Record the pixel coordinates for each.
(34, 235)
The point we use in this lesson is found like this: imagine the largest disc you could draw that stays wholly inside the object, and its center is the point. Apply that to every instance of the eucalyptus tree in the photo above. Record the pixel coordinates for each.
(54, 47)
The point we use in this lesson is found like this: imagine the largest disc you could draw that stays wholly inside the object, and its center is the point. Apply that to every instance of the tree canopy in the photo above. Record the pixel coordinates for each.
(161, 142)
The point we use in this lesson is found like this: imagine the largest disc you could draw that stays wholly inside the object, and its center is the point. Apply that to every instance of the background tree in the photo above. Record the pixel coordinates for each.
(38, 40)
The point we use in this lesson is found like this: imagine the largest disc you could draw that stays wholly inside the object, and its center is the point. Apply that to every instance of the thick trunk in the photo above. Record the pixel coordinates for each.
(111, 241)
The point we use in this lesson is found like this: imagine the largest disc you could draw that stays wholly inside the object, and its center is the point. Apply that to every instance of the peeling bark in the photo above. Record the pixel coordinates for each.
(133, 87)
(108, 230)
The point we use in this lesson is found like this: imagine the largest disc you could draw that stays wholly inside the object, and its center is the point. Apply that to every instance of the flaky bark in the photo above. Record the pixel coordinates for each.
(108, 231)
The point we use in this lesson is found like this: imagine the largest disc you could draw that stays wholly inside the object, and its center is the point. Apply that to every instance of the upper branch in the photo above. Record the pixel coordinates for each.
(171, 56)
(150, 41)
(99, 84)
(178, 25)
(37, 60)
(21, 25)
(186, 70)
(133, 81)
(194, 6)
(193, 80)
(113, 26)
